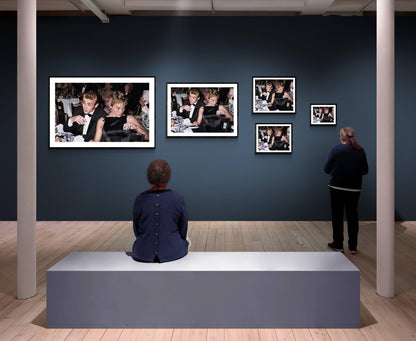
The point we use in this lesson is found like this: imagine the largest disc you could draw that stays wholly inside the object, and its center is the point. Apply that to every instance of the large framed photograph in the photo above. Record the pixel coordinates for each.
(274, 138)
(101, 112)
(273, 95)
(323, 114)
(202, 109)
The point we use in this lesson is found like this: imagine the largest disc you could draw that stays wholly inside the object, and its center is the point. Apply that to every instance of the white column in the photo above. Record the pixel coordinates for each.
(26, 148)
(385, 148)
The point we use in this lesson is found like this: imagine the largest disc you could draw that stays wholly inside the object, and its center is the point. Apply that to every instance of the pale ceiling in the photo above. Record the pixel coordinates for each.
(214, 7)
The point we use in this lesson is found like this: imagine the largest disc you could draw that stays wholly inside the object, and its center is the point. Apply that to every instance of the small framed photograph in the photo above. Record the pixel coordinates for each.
(102, 112)
(274, 95)
(274, 138)
(323, 114)
(202, 109)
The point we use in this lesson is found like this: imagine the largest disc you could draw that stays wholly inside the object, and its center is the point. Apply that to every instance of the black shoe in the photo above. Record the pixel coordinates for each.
(335, 248)
(353, 251)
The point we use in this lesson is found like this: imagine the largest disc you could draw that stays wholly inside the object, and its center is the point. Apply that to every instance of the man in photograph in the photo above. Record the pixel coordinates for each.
(85, 117)
(191, 107)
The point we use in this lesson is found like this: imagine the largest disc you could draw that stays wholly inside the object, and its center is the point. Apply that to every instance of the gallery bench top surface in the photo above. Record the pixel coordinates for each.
(209, 261)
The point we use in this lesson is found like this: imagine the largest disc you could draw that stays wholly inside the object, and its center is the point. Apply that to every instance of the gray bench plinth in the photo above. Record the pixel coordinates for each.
(204, 290)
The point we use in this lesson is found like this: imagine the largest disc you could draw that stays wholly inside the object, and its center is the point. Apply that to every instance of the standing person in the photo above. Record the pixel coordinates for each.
(85, 117)
(160, 220)
(346, 164)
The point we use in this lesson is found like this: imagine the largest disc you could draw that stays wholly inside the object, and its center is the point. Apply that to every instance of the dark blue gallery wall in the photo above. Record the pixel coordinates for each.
(8, 135)
(221, 178)
(332, 58)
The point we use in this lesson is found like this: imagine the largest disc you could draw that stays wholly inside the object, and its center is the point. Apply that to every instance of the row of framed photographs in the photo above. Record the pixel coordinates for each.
(107, 112)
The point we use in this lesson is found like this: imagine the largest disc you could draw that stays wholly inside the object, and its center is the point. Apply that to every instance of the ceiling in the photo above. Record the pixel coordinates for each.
(211, 7)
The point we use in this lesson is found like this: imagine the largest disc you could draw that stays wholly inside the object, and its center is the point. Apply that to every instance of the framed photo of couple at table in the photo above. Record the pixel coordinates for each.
(323, 114)
(274, 138)
(202, 110)
(274, 95)
(102, 112)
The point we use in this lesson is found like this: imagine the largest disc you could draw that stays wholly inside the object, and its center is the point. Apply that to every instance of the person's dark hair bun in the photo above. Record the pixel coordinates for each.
(158, 172)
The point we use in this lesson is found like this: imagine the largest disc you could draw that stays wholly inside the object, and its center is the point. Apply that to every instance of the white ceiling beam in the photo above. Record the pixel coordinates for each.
(169, 5)
(94, 9)
(77, 5)
(317, 7)
(349, 5)
(260, 5)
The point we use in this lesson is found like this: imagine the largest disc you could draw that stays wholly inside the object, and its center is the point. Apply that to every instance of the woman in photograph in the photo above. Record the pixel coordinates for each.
(327, 116)
(212, 107)
(346, 164)
(212, 113)
(279, 141)
(160, 221)
(284, 100)
(118, 121)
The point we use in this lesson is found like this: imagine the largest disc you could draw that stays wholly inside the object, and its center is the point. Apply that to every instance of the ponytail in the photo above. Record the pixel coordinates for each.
(347, 135)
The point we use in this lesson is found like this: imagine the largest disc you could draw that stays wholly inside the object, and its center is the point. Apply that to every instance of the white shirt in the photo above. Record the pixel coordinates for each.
(87, 123)
(192, 110)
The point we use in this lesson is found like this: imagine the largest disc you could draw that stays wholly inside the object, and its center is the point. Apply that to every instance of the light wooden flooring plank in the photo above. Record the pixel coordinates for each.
(238, 244)
(285, 335)
(242, 334)
(181, 334)
(371, 333)
(201, 243)
(198, 334)
(267, 335)
(94, 334)
(111, 334)
(302, 335)
(220, 236)
(216, 335)
(337, 334)
(355, 335)
(77, 335)
(319, 335)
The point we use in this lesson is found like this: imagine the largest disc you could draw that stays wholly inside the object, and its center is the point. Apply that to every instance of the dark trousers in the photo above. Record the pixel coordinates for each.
(349, 200)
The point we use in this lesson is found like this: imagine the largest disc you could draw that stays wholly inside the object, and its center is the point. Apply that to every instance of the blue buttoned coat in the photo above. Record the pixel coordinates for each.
(160, 224)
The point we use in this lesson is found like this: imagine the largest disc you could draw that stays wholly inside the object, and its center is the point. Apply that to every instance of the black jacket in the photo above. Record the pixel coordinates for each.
(76, 129)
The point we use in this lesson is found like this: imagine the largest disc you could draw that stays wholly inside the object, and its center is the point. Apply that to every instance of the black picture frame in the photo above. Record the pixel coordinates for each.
(266, 142)
(62, 103)
(220, 123)
(323, 114)
(280, 100)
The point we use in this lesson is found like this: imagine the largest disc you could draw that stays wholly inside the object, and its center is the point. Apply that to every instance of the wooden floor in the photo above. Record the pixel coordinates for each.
(381, 319)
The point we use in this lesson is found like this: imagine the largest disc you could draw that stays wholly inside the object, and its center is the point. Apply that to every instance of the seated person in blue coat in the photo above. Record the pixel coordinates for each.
(160, 220)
